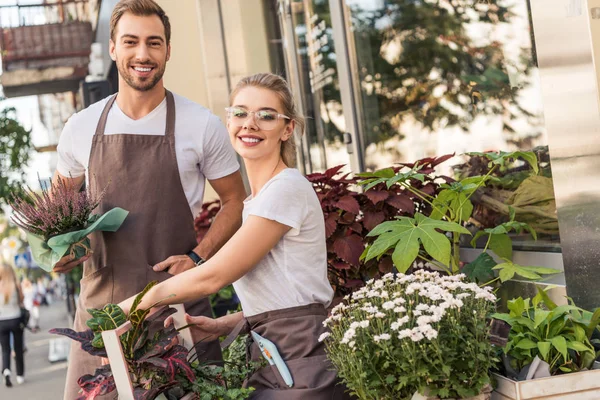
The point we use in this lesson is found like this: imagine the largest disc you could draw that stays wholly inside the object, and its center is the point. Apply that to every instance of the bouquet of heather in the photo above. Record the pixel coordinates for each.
(420, 336)
(59, 220)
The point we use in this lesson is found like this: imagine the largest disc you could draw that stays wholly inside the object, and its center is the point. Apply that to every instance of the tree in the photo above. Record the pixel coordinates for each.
(15, 147)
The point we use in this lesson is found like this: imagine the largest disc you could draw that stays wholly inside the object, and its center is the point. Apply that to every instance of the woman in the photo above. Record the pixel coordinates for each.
(11, 301)
(277, 261)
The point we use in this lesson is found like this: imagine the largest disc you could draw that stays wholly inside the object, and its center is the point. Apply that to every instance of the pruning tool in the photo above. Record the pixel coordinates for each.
(269, 351)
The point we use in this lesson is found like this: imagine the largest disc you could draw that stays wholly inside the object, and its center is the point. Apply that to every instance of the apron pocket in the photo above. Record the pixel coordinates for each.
(307, 373)
(97, 288)
(152, 275)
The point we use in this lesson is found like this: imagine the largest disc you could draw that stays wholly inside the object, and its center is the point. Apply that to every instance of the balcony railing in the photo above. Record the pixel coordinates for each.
(44, 43)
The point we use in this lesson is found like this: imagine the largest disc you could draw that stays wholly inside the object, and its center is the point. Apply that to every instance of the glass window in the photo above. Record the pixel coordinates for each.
(434, 77)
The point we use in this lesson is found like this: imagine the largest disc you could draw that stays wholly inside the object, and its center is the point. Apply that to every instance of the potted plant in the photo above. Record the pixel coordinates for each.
(421, 335)
(59, 220)
(148, 361)
(433, 234)
(550, 351)
(351, 214)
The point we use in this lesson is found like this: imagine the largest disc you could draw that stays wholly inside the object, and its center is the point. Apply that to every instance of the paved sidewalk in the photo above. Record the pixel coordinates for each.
(43, 380)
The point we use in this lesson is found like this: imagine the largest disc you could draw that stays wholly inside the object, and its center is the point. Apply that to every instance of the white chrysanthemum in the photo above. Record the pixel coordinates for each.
(324, 336)
(364, 324)
(404, 333)
(400, 309)
(388, 305)
(379, 315)
(383, 336)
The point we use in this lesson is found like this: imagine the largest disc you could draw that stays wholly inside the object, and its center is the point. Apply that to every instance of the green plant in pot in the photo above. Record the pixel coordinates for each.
(433, 234)
(560, 336)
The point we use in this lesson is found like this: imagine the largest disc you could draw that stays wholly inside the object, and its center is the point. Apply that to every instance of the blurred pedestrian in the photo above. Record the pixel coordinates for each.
(31, 303)
(11, 301)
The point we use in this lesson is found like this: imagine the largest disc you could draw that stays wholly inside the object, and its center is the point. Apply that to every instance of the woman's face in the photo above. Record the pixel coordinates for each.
(255, 130)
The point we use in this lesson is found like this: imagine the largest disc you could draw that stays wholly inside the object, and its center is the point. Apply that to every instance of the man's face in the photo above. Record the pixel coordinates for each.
(140, 50)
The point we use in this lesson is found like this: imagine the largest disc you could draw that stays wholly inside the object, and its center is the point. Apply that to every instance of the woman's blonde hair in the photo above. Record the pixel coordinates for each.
(278, 85)
(8, 282)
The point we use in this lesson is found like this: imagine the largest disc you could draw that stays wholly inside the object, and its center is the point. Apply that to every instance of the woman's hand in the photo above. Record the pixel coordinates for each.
(204, 329)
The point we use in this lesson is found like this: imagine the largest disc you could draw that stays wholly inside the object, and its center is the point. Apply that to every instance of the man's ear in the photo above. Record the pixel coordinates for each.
(168, 51)
(111, 50)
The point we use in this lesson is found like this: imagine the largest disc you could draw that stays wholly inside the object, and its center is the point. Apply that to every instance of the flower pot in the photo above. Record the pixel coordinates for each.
(484, 395)
(116, 358)
(576, 386)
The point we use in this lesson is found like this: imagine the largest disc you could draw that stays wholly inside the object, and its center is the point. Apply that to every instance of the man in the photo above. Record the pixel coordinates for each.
(151, 150)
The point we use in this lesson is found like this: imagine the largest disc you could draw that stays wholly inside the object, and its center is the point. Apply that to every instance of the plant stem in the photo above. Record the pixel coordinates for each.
(436, 263)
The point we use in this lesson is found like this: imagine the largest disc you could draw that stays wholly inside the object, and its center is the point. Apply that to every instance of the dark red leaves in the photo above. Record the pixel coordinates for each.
(377, 195)
(348, 203)
(349, 248)
(99, 384)
(331, 224)
(402, 203)
(372, 219)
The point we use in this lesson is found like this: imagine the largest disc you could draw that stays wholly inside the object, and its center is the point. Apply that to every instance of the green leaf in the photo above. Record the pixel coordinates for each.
(516, 306)
(507, 271)
(406, 251)
(540, 316)
(594, 322)
(481, 269)
(560, 344)
(384, 173)
(579, 347)
(138, 298)
(526, 344)
(501, 245)
(546, 299)
(436, 245)
(544, 348)
(477, 236)
(108, 318)
(406, 234)
(428, 223)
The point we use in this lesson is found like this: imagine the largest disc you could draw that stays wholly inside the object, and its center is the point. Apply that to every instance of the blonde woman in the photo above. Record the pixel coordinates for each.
(277, 260)
(11, 301)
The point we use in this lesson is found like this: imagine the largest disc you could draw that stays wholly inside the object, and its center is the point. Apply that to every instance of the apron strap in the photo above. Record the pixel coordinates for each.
(170, 125)
(102, 123)
(242, 327)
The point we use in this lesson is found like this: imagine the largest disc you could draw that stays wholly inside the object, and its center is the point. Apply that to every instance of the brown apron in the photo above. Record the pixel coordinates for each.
(141, 175)
(295, 331)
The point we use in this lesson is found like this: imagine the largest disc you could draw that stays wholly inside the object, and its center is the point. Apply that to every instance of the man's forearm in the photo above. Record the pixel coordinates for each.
(225, 224)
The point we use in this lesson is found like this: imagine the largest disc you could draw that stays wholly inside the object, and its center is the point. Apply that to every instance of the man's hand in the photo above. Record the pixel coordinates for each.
(175, 265)
(69, 262)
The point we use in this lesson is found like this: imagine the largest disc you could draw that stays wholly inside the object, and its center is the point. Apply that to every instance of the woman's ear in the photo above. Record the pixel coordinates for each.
(289, 130)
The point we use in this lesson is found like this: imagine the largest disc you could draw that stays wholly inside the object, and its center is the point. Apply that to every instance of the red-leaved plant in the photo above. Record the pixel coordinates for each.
(350, 215)
(206, 217)
(155, 360)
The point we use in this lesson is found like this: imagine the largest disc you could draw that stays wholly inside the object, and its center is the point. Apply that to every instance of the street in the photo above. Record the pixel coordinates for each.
(43, 380)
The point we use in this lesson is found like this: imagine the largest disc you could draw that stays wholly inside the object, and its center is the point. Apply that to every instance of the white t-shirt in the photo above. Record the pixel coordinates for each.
(202, 143)
(294, 272)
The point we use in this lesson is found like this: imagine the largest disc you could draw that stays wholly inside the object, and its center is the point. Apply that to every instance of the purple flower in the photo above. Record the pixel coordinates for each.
(57, 210)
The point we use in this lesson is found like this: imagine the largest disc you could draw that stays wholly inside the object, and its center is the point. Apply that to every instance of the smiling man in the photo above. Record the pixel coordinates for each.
(152, 151)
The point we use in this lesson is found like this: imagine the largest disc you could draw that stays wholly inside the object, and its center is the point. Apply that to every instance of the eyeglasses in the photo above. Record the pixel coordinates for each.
(265, 119)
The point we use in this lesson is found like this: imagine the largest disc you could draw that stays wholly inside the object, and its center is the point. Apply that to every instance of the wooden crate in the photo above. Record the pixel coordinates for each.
(116, 357)
(577, 386)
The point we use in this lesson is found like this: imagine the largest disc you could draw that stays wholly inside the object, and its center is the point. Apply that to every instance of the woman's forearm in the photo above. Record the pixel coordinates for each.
(190, 285)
